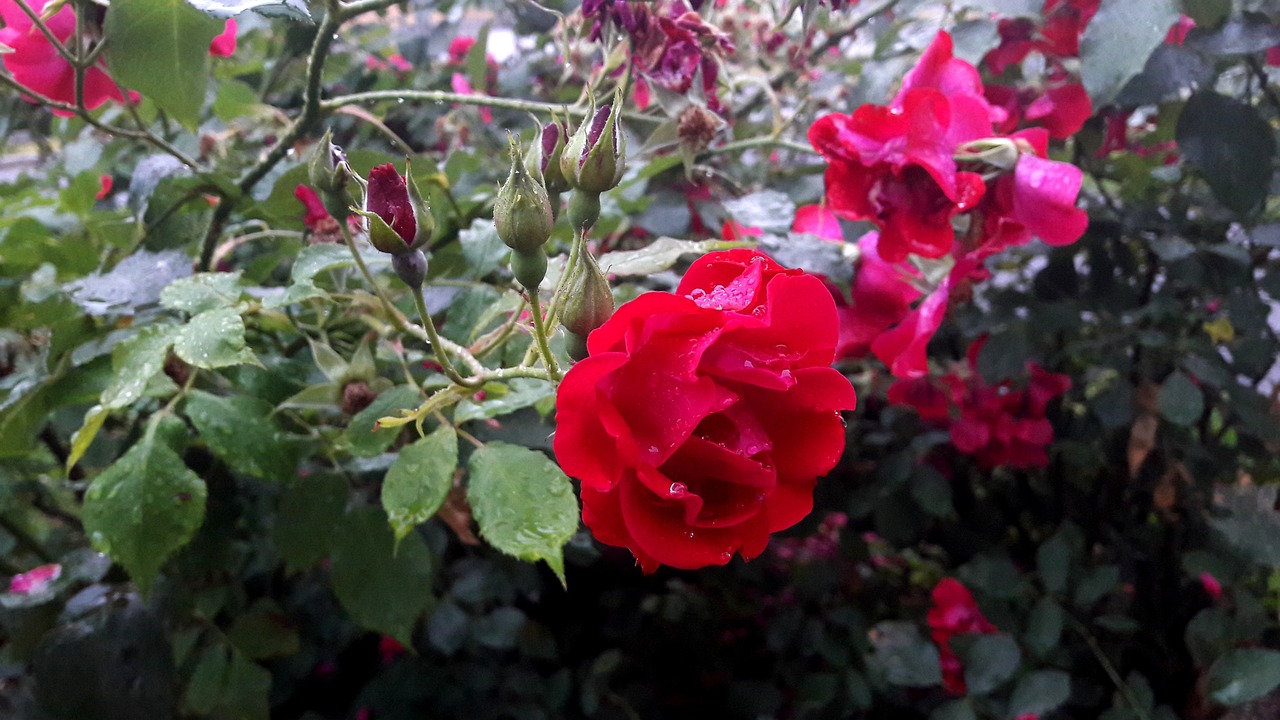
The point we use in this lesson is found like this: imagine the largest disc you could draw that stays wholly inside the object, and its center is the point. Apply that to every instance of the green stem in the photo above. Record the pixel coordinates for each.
(437, 345)
(540, 335)
(439, 96)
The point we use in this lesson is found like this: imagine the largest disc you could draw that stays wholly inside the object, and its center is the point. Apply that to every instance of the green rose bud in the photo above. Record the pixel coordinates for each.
(588, 303)
(410, 267)
(529, 268)
(548, 150)
(522, 210)
(330, 174)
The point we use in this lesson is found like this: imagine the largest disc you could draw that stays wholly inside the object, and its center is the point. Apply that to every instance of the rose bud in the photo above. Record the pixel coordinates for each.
(588, 303)
(546, 156)
(594, 159)
(411, 267)
(329, 173)
(522, 210)
(399, 219)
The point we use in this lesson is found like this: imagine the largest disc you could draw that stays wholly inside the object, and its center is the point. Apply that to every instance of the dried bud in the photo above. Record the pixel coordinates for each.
(594, 159)
(546, 156)
(588, 301)
(522, 210)
(356, 396)
(697, 127)
(399, 219)
(411, 267)
(177, 369)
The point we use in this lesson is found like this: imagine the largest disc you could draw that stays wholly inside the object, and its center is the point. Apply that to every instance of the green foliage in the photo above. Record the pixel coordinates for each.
(383, 583)
(421, 478)
(523, 503)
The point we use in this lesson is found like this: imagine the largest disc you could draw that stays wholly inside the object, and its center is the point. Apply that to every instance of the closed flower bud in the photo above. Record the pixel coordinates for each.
(529, 268)
(588, 301)
(411, 267)
(329, 173)
(594, 159)
(546, 156)
(399, 220)
(522, 210)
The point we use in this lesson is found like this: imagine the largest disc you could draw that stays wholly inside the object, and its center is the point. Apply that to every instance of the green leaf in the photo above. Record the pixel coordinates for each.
(204, 291)
(240, 431)
(315, 259)
(81, 439)
(144, 508)
(417, 484)
(989, 660)
(955, 710)
(1232, 146)
(482, 248)
(902, 656)
(134, 362)
(523, 503)
(307, 522)
(1180, 400)
(1004, 355)
(265, 631)
(384, 585)
(227, 684)
(1253, 524)
(931, 490)
(1053, 561)
(524, 392)
(1244, 674)
(660, 255)
(1040, 692)
(363, 434)
(161, 49)
(1096, 584)
(1044, 626)
(1117, 41)
(214, 339)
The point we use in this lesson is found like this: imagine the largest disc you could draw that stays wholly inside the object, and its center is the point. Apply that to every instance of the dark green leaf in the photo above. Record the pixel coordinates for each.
(658, 255)
(769, 210)
(144, 508)
(482, 248)
(161, 49)
(384, 585)
(989, 660)
(421, 478)
(264, 631)
(310, 511)
(1117, 41)
(1209, 634)
(227, 684)
(363, 434)
(1253, 524)
(1244, 674)
(1044, 626)
(811, 254)
(902, 656)
(1040, 692)
(955, 710)
(1097, 583)
(1004, 355)
(1181, 401)
(523, 503)
(1239, 35)
(240, 431)
(1231, 145)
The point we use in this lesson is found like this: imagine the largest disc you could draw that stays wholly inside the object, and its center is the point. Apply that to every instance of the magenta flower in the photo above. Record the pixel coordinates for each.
(224, 45)
(36, 581)
(36, 64)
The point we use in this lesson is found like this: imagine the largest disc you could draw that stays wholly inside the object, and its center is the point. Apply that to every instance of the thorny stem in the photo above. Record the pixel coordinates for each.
(439, 96)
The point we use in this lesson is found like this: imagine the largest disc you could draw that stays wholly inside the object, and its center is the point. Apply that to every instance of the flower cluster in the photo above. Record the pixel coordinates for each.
(671, 45)
(999, 425)
(701, 420)
(915, 167)
(1056, 101)
(954, 612)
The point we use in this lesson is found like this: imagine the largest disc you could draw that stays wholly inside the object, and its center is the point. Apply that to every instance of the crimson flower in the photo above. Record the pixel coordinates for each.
(954, 612)
(882, 295)
(38, 66)
(224, 45)
(700, 421)
(315, 209)
(999, 425)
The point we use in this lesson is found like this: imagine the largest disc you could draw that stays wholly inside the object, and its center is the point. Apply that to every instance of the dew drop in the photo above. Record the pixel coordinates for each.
(678, 489)
(748, 364)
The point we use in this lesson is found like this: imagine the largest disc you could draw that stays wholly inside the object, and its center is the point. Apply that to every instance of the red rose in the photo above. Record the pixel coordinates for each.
(701, 421)
(38, 66)
(954, 612)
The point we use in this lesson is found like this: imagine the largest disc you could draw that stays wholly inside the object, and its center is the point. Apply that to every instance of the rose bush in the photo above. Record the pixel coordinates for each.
(701, 420)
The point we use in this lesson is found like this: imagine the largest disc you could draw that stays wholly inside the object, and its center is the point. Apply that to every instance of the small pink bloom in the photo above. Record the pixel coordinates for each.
(462, 86)
(399, 64)
(36, 581)
(224, 45)
(316, 211)
(389, 649)
(818, 220)
(459, 47)
(1211, 585)
(734, 230)
(1044, 199)
(954, 612)
(106, 183)
(36, 64)
(1178, 33)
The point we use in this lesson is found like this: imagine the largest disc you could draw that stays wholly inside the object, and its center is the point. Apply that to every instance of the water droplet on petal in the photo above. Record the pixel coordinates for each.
(678, 489)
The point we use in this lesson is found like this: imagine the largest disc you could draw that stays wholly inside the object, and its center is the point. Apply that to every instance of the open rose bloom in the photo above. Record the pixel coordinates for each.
(702, 419)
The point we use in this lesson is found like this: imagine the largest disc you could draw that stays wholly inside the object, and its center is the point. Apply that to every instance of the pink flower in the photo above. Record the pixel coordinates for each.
(954, 612)
(817, 220)
(105, 184)
(389, 649)
(1211, 586)
(882, 296)
(459, 47)
(224, 45)
(36, 64)
(462, 86)
(316, 212)
(35, 581)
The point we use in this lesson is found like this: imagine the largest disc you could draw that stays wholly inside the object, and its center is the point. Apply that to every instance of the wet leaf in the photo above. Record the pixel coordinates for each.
(214, 339)
(385, 585)
(420, 480)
